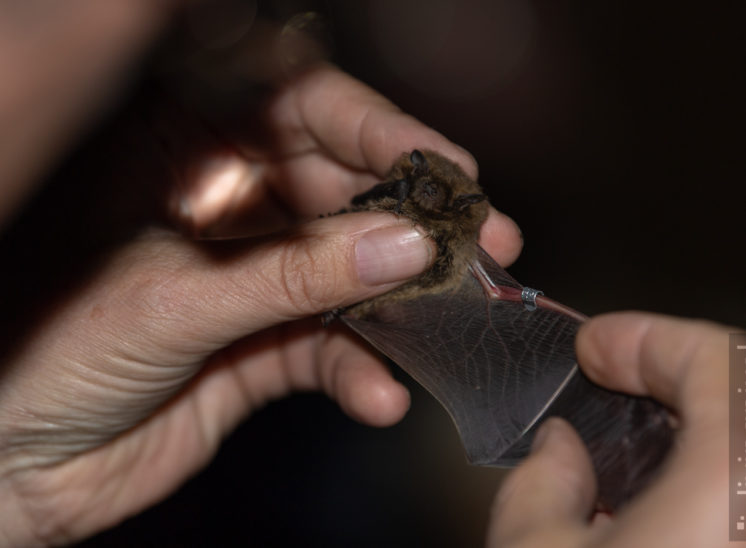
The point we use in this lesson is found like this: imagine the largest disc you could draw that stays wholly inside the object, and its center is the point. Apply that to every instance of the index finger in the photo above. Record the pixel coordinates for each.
(682, 363)
(360, 128)
(329, 112)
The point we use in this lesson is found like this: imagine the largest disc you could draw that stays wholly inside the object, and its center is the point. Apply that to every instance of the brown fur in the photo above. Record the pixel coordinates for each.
(443, 201)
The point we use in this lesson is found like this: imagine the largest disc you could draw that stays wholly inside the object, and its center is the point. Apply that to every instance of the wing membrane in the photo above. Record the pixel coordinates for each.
(499, 369)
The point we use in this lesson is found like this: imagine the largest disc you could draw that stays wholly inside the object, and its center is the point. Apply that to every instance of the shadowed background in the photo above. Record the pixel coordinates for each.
(607, 131)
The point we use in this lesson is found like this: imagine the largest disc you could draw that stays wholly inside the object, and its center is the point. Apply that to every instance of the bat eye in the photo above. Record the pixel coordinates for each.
(430, 195)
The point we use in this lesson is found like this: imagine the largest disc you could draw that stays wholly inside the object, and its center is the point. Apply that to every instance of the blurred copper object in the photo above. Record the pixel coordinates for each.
(214, 188)
(207, 90)
(225, 196)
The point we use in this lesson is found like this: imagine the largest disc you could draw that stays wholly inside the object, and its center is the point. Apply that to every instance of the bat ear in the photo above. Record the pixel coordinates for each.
(465, 200)
(418, 161)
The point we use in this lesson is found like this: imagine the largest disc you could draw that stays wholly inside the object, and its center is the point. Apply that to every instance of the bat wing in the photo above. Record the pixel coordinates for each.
(500, 366)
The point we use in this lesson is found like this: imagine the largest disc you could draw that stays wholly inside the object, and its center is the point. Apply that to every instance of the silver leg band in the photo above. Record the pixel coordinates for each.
(528, 296)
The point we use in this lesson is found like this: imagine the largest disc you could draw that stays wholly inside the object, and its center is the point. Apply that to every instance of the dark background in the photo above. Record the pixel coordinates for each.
(611, 132)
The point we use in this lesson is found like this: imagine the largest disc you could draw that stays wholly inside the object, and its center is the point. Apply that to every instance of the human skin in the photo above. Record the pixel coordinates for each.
(549, 499)
(125, 389)
(121, 393)
(61, 64)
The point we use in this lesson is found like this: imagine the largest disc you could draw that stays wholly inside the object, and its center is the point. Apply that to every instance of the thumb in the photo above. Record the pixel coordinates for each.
(226, 291)
(548, 499)
(327, 264)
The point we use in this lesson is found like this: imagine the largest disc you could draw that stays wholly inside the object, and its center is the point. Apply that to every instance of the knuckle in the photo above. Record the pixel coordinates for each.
(307, 277)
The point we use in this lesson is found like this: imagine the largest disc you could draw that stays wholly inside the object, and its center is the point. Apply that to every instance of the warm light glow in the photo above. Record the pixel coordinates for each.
(221, 184)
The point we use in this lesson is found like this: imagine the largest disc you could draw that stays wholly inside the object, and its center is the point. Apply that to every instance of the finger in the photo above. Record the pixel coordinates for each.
(501, 238)
(674, 360)
(226, 197)
(298, 357)
(550, 496)
(322, 269)
(229, 199)
(223, 292)
(360, 382)
(168, 301)
(78, 49)
(316, 183)
(342, 365)
(330, 110)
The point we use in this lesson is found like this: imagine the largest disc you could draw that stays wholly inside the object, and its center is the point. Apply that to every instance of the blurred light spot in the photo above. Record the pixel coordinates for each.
(220, 23)
(219, 185)
(455, 50)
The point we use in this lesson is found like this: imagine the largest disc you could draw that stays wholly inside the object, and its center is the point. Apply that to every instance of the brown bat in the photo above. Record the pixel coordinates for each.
(498, 356)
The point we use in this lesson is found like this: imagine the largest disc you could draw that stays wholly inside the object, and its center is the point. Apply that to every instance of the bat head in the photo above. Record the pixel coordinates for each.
(427, 192)
(436, 194)
(437, 187)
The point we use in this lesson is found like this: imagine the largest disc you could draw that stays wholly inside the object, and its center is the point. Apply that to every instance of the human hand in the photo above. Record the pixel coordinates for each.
(549, 499)
(126, 387)
(60, 65)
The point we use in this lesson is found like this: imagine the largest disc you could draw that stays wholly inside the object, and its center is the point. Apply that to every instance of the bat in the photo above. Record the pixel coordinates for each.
(498, 356)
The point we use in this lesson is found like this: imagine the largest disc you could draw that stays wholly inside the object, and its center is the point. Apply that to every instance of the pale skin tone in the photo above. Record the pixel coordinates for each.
(124, 391)
(127, 389)
(549, 499)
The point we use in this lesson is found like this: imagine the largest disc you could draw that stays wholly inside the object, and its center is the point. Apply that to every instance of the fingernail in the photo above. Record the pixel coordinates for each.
(392, 254)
